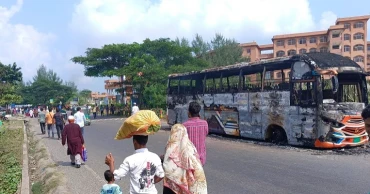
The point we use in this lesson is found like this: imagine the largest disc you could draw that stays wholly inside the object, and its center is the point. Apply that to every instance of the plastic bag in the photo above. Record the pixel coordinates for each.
(84, 153)
(144, 122)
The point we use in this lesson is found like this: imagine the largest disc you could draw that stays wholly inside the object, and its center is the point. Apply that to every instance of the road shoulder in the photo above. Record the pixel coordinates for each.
(82, 180)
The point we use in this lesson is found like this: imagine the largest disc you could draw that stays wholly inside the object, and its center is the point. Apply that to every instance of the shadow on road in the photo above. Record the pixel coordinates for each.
(64, 163)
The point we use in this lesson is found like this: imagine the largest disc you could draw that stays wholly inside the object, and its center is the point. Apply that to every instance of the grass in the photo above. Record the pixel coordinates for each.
(37, 188)
(51, 180)
(11, 142)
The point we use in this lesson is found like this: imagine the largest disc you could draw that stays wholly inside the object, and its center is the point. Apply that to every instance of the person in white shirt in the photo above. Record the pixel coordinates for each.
(144, 168)
(80, 119)
(31, 113)
(135, 109)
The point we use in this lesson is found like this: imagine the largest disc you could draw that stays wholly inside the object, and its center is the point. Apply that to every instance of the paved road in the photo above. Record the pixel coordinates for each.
(232, 166)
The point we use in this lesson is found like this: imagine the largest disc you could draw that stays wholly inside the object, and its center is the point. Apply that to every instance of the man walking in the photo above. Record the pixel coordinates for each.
(75, 140)
(80, 119)
(112, 109)
(94, 110)
(135, 109)
(101, 110)
(50, 121)
(197, 130)
(59, 122)
(42, 120)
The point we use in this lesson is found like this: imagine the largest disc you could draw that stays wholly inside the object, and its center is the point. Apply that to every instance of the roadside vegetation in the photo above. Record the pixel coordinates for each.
(11, 141)
(48, 179)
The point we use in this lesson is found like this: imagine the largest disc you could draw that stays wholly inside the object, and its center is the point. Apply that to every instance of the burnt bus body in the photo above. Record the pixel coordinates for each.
(318, 104)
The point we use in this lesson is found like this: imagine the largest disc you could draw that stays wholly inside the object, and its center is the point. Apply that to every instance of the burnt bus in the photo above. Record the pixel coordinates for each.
(311, 99)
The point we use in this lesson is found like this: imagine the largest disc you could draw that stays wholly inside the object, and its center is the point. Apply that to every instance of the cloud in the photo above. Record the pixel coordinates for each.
(108, 21)
(328, 19)
(21, 43)
(98, 22)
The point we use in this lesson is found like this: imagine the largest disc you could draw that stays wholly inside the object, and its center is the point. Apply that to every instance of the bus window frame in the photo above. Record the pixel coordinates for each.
(292, 83)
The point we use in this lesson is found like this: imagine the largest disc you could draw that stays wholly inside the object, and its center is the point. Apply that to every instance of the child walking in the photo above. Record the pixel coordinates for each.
(110, 188)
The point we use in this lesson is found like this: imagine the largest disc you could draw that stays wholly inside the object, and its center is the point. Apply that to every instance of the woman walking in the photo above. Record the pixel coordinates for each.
(183, 170)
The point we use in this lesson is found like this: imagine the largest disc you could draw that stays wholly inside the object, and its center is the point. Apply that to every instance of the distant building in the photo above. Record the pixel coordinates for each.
(111, 86)
(348, 37)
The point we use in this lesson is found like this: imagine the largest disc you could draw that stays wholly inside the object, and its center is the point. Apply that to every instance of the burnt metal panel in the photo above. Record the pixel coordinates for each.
(329, 60)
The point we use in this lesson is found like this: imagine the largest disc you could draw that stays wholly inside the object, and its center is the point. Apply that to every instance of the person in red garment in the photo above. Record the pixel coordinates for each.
(75, 140)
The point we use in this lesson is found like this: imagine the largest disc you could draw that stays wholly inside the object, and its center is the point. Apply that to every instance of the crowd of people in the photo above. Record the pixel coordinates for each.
(72, 132)
(180, 167)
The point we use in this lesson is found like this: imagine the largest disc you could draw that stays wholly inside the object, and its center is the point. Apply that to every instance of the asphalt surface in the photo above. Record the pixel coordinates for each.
(232, 166)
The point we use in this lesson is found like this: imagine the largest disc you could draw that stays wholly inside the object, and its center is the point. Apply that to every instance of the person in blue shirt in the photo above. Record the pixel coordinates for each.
(110, 187)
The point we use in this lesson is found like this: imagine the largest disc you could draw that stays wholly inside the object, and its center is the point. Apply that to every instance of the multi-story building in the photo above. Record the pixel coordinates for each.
(348, 37)
(98, 97)
(113, 84)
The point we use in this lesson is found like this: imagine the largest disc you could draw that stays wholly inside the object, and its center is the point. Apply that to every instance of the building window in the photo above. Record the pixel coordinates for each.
(302, 41)
(280, 53)
(323, 50)
(323, 39)
(335, 47)
(291, 42)
(312, 50)
(358, 47)
(347, 37)
(347, 25)
(313, 40)
(302, 51)
(336, 35)
(248, 51)
(358, 25)
(358, 59)
(292, 52)
(368, 57)
(368, 64)
(368, 47)
(358, 36)
(280, 43)
(347, 48)
(278, 75)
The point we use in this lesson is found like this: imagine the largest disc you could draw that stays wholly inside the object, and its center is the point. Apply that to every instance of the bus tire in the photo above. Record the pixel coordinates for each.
(276, 134)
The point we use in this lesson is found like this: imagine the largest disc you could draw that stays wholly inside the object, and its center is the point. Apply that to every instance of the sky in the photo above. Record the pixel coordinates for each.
(51, 32)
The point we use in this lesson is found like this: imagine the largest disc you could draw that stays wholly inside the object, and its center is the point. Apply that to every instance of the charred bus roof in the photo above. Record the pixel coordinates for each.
(316, 59)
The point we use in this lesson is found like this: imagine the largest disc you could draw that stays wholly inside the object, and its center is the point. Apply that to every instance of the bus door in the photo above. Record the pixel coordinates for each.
(303, 103)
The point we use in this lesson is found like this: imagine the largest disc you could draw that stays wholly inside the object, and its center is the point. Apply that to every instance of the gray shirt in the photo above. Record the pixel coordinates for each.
(42, 116)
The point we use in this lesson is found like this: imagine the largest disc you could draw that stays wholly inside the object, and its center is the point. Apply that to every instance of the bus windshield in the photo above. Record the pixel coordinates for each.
(350, 89)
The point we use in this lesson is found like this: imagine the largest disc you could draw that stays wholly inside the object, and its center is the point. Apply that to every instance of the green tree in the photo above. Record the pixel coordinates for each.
(11, 80)
(46, 85)
(200, 47)
(145, 65)
(107, 61)
(220, 51)
(84, 95)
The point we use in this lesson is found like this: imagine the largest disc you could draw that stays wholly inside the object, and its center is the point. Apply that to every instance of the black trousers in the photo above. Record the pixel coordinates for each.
(94, 113)
(42, 126)
(59, 129)
(167, 190)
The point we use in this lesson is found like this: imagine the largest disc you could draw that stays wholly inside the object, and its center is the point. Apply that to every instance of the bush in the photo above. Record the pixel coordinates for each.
(11, 142)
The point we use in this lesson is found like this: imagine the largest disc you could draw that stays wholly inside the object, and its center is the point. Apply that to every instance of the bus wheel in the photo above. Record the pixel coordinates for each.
(276, 134)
